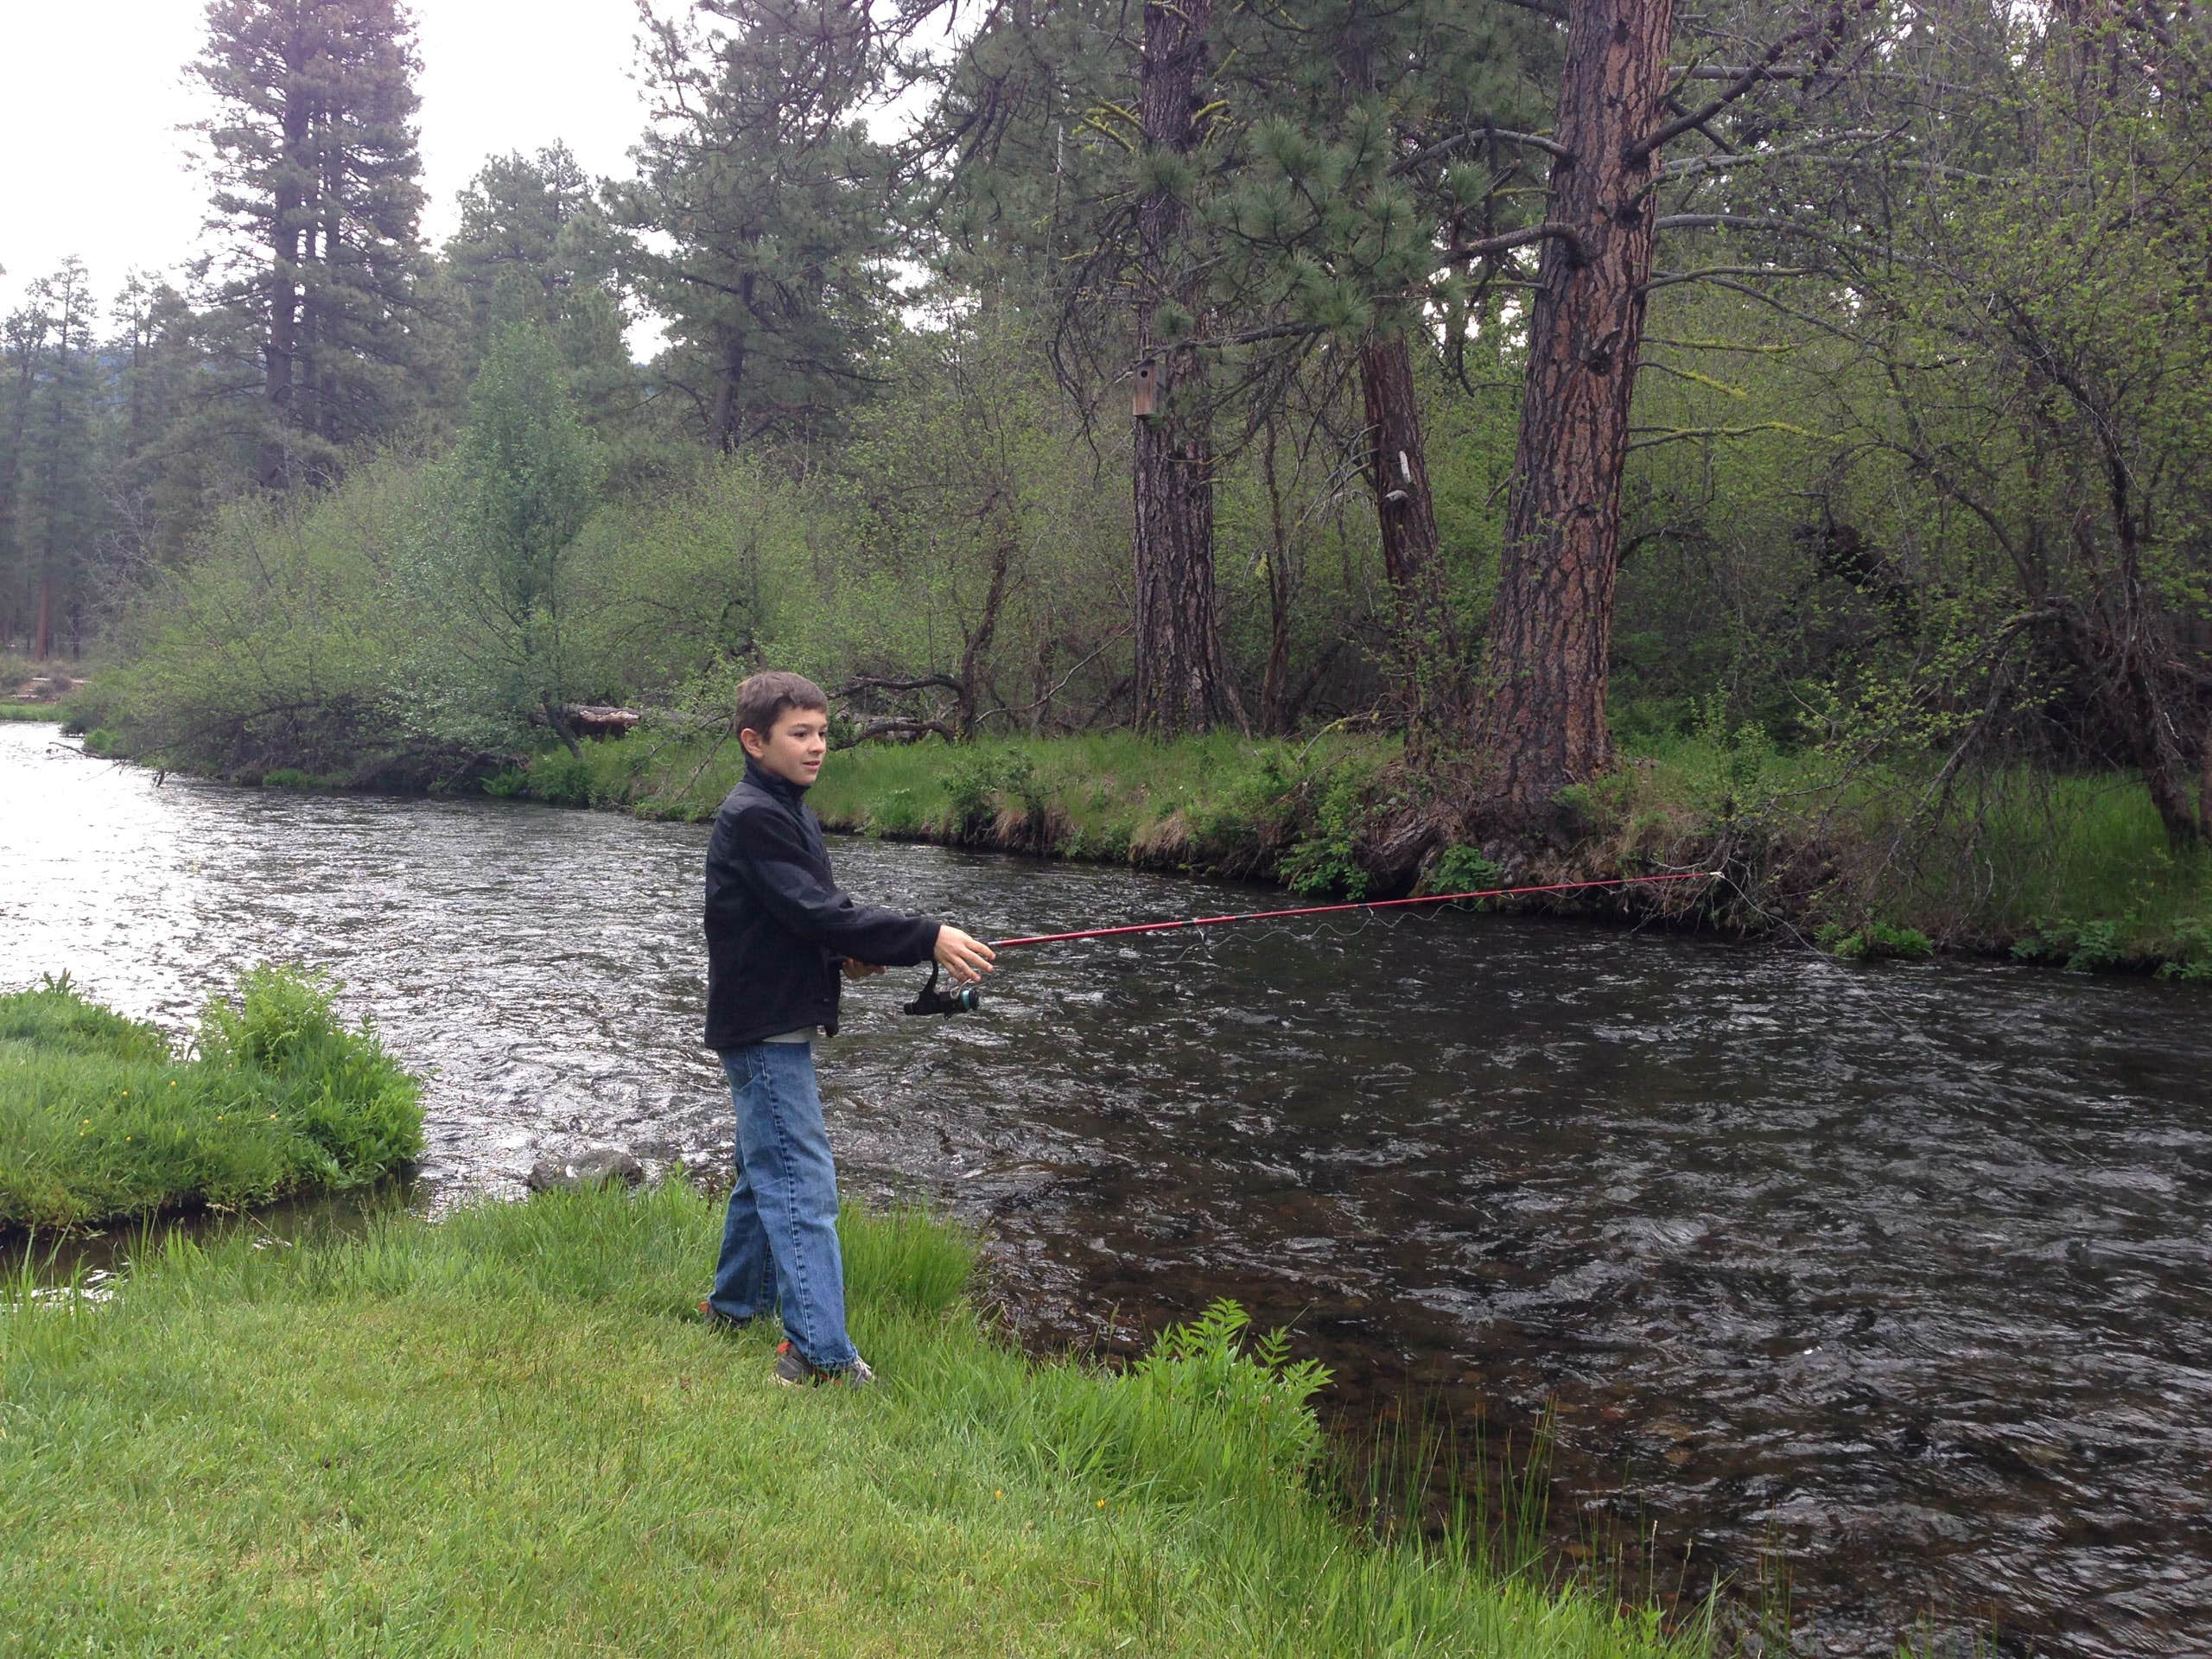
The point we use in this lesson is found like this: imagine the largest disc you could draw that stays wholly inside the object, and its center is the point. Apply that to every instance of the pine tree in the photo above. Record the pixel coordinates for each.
(51, 495)
(763, 212)
(534, 246)
(313, 156)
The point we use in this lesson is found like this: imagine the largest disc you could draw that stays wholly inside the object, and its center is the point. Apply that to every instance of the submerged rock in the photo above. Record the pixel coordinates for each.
(585, 1166)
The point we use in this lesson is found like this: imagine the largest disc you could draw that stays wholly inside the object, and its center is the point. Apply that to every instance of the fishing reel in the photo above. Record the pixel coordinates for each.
(961, 999)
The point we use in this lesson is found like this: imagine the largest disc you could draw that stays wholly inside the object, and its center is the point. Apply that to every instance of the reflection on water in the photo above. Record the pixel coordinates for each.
(1901, 1275)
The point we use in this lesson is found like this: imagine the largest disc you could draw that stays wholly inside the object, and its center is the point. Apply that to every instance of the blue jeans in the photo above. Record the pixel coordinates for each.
(779, 1240)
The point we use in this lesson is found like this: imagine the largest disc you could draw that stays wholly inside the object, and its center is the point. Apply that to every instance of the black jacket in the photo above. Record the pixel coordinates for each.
(778, 927)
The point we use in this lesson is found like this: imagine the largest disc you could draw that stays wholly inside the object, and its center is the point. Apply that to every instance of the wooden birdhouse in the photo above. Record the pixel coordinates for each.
(1144, 396)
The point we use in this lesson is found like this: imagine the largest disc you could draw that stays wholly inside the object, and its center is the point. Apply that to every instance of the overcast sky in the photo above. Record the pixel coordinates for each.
(92, 161)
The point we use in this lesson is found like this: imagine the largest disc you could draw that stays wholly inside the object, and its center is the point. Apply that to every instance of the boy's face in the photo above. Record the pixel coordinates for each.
(794, 748)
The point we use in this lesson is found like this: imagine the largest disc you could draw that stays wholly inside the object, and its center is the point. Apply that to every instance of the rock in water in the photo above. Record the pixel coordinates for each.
(586, 1167)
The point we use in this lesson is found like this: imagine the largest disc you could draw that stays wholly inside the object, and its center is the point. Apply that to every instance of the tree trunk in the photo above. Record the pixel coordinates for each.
(1182, 684)
(729, 417)
(284, 228)
(42, 638)
(975, 653)
(1424, 638)
(1274, 684)
(1541, 720)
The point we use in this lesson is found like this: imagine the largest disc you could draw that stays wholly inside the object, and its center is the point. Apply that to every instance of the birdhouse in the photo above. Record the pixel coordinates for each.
(1144, 396)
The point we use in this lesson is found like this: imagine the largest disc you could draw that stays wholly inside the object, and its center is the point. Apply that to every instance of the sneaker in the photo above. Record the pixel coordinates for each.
(794, 1372)
(713, 1319)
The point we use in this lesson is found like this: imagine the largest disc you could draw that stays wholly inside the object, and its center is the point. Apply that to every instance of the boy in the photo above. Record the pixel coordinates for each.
(779, 934)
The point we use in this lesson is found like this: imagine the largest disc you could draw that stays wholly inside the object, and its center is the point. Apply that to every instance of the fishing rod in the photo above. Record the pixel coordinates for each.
(962, 999)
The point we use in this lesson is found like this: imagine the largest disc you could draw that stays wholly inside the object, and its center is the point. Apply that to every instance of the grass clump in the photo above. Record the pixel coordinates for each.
(30, 711)
(100, 1119)
(506, 1433)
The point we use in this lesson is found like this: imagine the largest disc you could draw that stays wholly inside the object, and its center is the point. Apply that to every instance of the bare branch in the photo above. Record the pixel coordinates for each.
(1692, 167)
(1506, 241)
(1681, 434)
(1827, 29)
(1474, 134)
(1774, 227)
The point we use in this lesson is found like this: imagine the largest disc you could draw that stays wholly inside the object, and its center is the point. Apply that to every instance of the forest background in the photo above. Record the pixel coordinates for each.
(1448, 438)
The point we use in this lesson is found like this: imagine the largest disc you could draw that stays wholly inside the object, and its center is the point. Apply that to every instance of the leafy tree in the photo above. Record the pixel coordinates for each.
(492, 576)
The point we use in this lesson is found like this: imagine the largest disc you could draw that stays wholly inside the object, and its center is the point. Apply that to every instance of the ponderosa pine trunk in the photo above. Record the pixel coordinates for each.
(1182, 683)
(1540, 722)
(1425, 644)
(284, 228)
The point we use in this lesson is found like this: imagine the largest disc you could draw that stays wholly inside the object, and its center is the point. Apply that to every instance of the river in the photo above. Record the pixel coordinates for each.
(1896, 1281)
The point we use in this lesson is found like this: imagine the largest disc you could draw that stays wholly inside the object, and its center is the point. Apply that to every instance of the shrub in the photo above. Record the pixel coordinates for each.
(2081, 947)
(1327, 861)
(2190, 957)
(1877, 941)
(1463, 869)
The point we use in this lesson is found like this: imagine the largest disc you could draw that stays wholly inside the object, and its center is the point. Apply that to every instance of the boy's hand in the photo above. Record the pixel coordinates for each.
(861, 970)
(968, 956)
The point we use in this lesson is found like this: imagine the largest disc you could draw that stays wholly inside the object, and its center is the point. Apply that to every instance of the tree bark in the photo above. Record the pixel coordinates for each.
(974, 654)
(284, 227)
(1424, 642)
(1540, 722)
(1274, 712)
(729, 417)
(1182, 684)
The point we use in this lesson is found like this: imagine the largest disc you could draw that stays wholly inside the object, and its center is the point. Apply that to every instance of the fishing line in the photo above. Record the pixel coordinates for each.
(963, 999)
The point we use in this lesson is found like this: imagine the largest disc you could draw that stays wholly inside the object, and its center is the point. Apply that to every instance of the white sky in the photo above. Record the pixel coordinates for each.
(92, 161)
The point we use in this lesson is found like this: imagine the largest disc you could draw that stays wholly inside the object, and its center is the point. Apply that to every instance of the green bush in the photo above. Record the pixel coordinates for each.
(1327, 862)
(1463, 869)
(2189, 957)
(1877, 941)
(2080, 947)
(605, 774)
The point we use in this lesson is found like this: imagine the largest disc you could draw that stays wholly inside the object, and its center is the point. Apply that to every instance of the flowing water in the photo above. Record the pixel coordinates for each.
(1896, 1281)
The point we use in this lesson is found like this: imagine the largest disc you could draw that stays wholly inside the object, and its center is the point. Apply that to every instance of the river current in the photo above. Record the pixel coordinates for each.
(1894, 1283)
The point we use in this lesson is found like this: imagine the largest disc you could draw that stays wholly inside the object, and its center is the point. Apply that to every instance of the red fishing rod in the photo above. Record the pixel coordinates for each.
(962, 999)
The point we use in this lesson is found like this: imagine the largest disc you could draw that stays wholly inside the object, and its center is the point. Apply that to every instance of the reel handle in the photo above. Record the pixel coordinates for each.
(961, 999)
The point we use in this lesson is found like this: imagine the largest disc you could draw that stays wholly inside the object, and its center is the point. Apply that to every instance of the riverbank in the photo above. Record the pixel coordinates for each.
(1867, 861)
(102, 1119)
(2073, 871)
(507, 1431)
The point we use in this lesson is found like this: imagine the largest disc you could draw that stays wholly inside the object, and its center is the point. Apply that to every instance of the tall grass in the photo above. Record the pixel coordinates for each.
(101, 1119)
(503, 1433)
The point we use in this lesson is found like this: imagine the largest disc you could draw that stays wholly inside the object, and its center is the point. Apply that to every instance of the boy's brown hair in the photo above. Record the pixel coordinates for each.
(763, 698)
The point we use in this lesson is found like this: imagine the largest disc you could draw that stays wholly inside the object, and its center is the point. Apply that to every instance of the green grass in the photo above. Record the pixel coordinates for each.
(504, 1434)
(2013, 855)
(30, 711)
(101, 1120)
(1222, 803)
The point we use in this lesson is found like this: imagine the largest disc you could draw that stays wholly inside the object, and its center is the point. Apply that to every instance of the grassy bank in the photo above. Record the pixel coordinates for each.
(2072, 870)
(504, 1434)
(101, 1119)
(31, 711)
